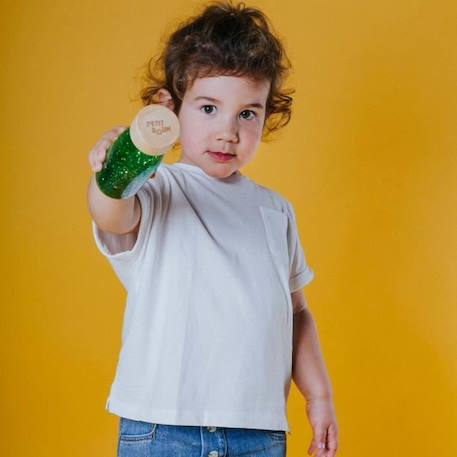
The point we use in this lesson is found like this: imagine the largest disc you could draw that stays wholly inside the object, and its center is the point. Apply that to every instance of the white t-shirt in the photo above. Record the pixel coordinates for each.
(207, 331)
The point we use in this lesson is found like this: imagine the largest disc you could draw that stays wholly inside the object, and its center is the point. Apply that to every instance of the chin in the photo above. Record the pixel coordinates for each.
(221, 173)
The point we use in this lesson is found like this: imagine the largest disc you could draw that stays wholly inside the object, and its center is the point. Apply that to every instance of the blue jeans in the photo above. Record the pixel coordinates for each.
(146, 439)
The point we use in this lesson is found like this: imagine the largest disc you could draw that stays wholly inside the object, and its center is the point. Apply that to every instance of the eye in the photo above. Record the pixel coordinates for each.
(207, 109)
(250, 114)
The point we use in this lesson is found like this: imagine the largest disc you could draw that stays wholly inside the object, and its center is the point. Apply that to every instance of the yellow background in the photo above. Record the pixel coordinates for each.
(368, 161)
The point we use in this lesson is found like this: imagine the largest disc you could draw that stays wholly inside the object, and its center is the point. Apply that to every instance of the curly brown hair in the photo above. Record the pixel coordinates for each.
(224, 39)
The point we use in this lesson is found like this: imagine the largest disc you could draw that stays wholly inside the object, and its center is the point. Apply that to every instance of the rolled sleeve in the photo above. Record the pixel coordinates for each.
(117, 248)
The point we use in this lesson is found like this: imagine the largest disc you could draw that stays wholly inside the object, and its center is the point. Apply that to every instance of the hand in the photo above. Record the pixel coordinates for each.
(321, 415)
(98, 153)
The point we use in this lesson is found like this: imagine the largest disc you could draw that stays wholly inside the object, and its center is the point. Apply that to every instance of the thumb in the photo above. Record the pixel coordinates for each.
(319, 441)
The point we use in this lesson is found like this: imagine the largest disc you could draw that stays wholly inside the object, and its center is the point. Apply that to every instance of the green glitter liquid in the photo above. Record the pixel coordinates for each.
(125, 168)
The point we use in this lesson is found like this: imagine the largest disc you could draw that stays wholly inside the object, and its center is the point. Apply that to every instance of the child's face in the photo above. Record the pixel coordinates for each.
(222, 114)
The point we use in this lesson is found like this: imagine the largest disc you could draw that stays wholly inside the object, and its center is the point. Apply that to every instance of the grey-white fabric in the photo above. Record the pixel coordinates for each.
(207, 331)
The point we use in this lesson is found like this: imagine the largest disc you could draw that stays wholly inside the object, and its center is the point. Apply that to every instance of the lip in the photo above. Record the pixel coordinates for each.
(220, 156)
(222, 152)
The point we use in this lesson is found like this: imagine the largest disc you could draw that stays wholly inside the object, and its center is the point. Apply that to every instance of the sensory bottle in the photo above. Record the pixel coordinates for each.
(138, 151)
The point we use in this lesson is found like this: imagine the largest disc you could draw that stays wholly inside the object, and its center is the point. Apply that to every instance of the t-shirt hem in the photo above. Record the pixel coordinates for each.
(234, 419)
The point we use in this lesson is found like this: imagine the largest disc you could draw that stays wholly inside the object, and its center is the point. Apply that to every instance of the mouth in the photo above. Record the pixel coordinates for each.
(221, 156)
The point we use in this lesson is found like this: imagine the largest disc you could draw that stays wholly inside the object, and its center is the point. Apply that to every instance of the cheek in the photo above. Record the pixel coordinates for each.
(191, 135)
(185, 124)
(252, 133)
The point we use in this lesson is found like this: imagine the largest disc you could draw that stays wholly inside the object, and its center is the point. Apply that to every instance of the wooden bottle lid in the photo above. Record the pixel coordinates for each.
(155, 129)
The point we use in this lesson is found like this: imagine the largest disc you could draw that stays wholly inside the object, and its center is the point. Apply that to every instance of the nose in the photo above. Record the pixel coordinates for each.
(228, 131)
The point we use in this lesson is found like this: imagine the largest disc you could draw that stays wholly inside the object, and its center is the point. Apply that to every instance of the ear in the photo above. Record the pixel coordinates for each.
(165, 99)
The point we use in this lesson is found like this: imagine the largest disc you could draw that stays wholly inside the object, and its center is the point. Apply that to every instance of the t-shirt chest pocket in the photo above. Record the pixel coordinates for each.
(276, 222)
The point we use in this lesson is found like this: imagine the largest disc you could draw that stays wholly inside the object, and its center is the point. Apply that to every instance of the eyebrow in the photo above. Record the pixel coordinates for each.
(215, 100)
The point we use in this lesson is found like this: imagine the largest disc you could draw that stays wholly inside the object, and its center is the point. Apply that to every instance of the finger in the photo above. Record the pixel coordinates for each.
(95, 165)
(318, 448)
(90, 159)
(120, 128)
(322, 450)
(101, 154)
(312, 448)
(104, 144)
(111, 135)
(98, 151)
(319, 442)
(114, 133)
(101, 150)
(93, 160)
(330, 453)
(332, 439)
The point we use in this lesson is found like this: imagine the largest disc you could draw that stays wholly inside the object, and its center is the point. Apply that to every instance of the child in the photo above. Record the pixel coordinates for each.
(216, 323)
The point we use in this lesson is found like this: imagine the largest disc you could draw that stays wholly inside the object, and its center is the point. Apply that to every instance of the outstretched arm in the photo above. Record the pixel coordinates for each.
(110, 214)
